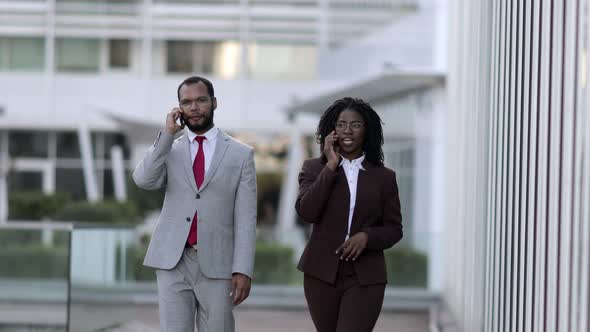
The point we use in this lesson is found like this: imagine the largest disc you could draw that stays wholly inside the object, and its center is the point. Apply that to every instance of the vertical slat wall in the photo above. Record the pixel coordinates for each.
(518, 165)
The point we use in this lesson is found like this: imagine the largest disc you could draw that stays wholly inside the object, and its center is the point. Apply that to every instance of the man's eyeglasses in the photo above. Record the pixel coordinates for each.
(341, 125)
(186, 104)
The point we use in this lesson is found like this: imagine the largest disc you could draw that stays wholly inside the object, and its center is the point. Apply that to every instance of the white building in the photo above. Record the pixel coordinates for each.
(111, 68)
(78, 78)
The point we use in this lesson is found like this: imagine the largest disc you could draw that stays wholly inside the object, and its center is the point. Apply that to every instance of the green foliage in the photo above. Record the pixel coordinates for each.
(144, 200)
(269, 190)
(22, 237)
(406, 268)
(58, 206)
(274, 264)
(134, 268)
(269, 182)
(35, 205)
(101, 212)
(34, 262)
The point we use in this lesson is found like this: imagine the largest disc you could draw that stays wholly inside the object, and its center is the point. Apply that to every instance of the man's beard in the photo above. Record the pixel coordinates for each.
(207, 121)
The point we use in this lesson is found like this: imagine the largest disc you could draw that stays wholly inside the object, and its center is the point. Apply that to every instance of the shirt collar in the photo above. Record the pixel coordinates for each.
(211, 134)
(358, 162)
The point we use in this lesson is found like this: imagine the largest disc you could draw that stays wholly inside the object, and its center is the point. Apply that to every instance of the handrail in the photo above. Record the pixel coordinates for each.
(37, 225)
(60, 225)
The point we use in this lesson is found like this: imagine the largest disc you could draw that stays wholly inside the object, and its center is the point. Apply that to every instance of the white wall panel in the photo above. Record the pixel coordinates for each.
(521, 66)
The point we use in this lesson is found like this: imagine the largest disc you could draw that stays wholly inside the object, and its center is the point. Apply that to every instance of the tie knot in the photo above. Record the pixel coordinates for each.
(200, 139)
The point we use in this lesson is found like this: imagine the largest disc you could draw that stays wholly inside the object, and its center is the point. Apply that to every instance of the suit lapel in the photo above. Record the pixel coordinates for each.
(220, 148)
(188, 163)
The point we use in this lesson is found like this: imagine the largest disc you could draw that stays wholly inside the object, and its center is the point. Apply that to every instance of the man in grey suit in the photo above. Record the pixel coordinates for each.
(203, 245)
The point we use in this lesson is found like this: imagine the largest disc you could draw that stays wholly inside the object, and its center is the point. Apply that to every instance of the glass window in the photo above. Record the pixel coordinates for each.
(70, 180)
(75, 54)
(207, 57)
(111, 140)
(22, 53)
(204, 57)
(4, 53)
(108, 189)
(27, 53)
(28, 144)
(25, 181)
(179, 57)
(215, 2)
(68, 145)
(97, 145)
(400, 156)
(119, 53)
(98, 6)
(268, 61)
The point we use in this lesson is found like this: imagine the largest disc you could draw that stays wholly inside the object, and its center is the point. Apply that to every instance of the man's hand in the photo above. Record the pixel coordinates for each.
(353, 247)
(171, 126)
(240, 287)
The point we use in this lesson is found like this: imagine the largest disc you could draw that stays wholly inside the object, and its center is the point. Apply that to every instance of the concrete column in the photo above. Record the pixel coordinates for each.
(119, 182)
(4, 166)
(88, 164)
(287, 232)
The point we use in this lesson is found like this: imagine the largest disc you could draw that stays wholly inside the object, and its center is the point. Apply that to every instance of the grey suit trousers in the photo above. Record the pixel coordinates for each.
(186, 295)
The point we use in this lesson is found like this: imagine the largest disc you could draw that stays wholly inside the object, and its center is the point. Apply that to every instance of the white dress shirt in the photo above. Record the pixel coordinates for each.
(351, 170)
(208, 145)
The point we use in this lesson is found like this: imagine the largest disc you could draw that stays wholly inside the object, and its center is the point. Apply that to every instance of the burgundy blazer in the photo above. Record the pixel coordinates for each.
(324, 201)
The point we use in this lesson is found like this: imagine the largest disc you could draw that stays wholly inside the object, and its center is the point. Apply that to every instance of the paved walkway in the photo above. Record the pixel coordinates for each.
(257, 320)
(132, 308)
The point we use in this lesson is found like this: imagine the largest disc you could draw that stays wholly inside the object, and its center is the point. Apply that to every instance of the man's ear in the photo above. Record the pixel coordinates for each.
(214, 101)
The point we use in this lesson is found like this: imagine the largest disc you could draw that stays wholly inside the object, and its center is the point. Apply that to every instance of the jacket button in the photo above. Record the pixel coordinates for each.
(188, 219)
(198, 196)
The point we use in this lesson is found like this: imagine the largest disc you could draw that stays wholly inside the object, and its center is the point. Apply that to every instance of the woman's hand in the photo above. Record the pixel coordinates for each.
(353, 247)
(331, 149)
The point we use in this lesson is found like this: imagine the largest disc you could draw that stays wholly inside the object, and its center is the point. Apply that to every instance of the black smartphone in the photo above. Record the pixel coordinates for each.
(181, 120)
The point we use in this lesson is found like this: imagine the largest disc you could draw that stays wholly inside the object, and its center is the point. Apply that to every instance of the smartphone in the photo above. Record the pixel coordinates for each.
(181, 120)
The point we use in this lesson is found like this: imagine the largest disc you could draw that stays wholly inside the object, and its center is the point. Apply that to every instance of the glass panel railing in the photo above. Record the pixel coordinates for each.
(34, 260)
(107, 288)
(408, 262)
(110, 289)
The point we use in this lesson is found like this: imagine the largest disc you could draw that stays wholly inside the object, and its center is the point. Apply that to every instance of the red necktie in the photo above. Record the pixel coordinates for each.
(199, 172)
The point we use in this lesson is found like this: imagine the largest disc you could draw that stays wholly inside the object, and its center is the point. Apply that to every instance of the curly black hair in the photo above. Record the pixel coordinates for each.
(373, 143)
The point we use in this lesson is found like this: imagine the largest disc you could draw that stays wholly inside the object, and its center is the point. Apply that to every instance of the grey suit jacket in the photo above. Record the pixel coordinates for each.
(226, 205)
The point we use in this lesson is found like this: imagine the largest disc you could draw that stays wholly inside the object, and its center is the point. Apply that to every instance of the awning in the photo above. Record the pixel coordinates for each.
(385, 85)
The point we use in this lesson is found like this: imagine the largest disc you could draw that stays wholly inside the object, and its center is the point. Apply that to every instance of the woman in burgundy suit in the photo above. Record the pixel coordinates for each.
(352, 200)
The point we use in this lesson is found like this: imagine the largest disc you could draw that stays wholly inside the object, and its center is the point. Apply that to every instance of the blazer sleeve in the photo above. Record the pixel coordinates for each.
(314, 191)
(150, 174)
(383, 237)
(245, 219)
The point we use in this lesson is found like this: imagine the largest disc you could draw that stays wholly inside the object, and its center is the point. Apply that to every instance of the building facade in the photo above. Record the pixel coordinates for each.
(81, 77)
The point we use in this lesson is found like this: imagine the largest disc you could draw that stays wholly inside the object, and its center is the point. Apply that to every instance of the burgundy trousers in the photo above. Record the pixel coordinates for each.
(345, 306)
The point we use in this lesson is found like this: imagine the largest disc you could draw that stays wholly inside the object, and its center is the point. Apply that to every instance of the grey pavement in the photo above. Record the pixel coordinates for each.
(132, 307)
(266, 320)
(144, 318)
